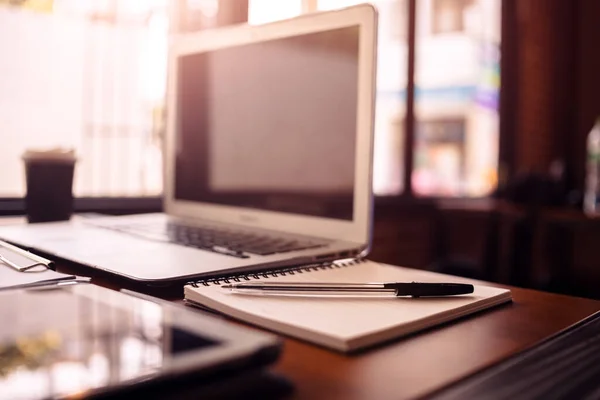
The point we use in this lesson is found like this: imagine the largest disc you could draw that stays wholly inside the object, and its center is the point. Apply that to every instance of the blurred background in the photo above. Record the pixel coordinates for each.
(483, 110)
(93, 74)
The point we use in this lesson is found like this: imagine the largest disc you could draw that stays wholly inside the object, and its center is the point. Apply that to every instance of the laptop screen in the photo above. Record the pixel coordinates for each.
(271, 125)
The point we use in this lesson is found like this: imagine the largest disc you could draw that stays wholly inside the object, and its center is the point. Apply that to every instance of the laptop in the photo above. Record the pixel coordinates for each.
(268, 157)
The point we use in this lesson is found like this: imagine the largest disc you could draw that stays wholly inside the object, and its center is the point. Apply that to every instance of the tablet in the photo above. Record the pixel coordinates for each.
(82, 340)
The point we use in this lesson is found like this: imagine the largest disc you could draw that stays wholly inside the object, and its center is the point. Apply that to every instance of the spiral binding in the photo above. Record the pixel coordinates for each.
(276, 272)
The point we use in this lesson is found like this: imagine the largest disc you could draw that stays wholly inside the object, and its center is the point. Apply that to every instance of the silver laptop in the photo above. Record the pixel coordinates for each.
(268, 158)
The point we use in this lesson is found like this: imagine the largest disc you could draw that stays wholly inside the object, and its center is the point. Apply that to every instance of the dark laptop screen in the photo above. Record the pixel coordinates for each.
(271, 125)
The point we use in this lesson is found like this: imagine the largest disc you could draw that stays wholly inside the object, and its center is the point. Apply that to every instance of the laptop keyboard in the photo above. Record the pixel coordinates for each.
(220, 240)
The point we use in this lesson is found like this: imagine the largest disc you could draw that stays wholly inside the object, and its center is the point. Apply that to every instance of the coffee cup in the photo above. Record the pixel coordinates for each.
(49, 178)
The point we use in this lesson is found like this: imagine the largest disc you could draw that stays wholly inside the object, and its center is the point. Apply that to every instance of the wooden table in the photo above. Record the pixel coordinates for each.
(418, 365)
(425, 362)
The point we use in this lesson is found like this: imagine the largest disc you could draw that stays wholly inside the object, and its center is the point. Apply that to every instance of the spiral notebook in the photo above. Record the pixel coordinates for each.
(344, 323)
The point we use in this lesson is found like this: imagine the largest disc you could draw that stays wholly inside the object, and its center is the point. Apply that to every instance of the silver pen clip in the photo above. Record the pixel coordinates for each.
(39, 264)
(37, 267)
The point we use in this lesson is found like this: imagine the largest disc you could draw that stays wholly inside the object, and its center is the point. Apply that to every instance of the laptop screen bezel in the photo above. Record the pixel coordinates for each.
(357, 230)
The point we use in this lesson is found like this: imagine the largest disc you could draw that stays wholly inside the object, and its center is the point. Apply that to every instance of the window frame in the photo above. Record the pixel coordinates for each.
(104, 205)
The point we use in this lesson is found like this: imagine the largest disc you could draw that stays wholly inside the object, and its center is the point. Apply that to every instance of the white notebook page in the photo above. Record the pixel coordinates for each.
(347, 322)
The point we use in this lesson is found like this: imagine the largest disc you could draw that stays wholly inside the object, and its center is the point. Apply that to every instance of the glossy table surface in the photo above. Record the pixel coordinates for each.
(418, 365)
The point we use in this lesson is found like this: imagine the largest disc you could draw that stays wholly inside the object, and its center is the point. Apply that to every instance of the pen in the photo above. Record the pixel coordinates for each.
(414, 289)
(48, 284)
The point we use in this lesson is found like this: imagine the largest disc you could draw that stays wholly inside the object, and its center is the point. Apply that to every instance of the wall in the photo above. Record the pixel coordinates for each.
(551, 84)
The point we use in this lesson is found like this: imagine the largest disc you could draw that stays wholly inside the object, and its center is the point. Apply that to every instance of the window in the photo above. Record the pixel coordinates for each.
(449, 15)
(457, 84)
(439, 148)
(89, 75)
(263, 11)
